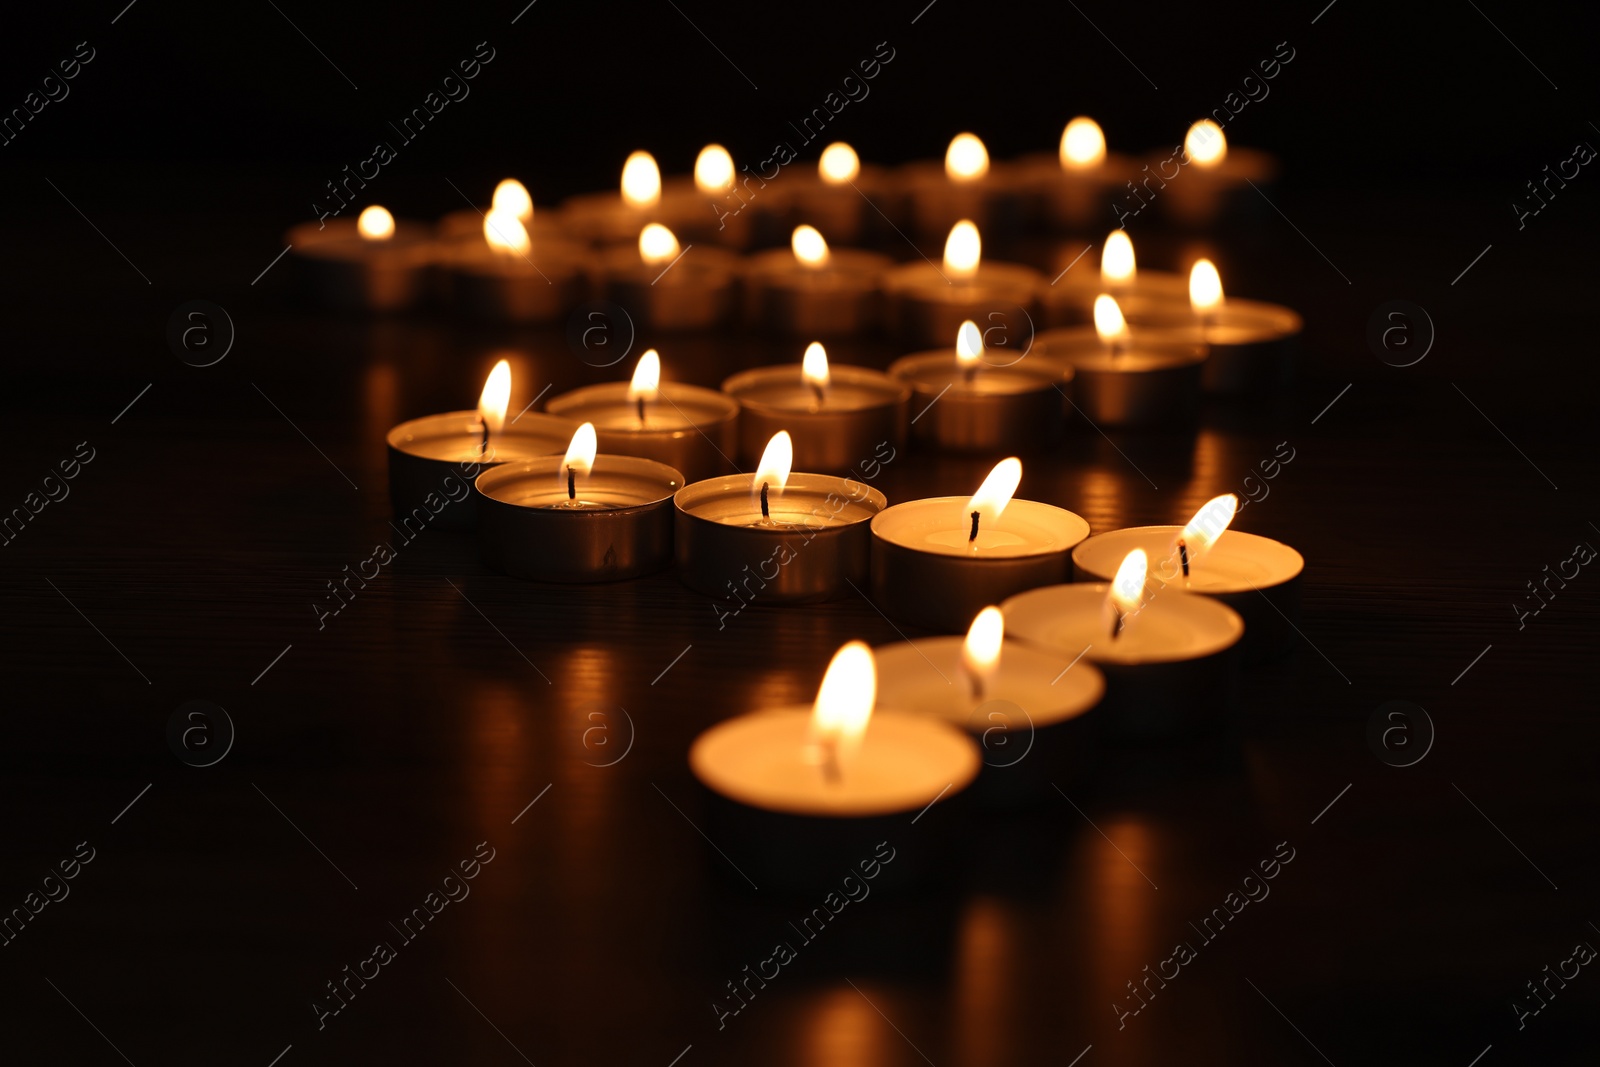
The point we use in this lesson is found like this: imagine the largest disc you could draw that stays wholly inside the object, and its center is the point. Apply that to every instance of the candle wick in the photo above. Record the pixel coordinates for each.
(1116, 627)
(639, 405)
(483, 447)
(970, 374)
(764, 513)
(977, 686)
(816, 391)
(830, 759)
(973, 536)
(572, 483)
(1183, 556)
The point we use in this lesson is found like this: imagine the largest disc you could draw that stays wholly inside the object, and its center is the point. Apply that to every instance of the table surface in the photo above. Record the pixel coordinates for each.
(447, 706)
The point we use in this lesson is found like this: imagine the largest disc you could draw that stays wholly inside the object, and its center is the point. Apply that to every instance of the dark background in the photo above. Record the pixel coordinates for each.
(191, 549)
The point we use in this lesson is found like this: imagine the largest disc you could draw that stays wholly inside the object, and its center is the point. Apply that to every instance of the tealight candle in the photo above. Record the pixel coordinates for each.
(843, 198)
(813, 289)
(433, 460)
(704, 209)
(512, 197)
(1144, 296)
(925, 304)
(1167, 659)
(965, 404)
(1127, 381)
(613, 218)
(581, 517)
(506, 277)
(1079, 184)
(665, 286)
(775, 537)
(836, 415)
(688, 428)
(937, 562)
(1255, 576)
(965, 186)
(802, 793)
(1215, 181)
(1024, 707)
(1250, 345)
(371, 263)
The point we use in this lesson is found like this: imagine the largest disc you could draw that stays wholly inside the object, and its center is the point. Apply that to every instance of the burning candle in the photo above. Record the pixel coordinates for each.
(1250, 345)
(371, 263)
(688, 428)
(925, 304)
(1025, 708)
(1125, 380)
(968, 399)
(1256, 576)
(433, 460)
(965, 186)
(800, 793)
(1167, 657)
(841, 197)
(1213, 179)
(506, 277)
(511, 197)
(1077, 185)
(615, 217)
(702, 207)
(578, 517)
(666, 286)
(937, 562)
(1144, 296)
(813, 289)
(775, 537)
(838, 416)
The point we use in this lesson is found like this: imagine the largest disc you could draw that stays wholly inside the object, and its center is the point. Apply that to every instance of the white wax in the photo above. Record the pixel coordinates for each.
(676, 407)
(938, 370)
(1172, 626)
(941, 525)
(927, 677)
(457, 437)
(1239, 562)
(783, 388)
(808, 500)
(614, 482)
(902, 764)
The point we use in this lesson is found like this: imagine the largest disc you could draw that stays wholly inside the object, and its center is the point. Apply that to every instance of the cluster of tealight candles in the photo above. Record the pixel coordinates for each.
(1134, 634)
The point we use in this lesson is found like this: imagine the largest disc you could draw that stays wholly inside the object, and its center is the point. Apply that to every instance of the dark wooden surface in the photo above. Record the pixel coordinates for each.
(377, 752)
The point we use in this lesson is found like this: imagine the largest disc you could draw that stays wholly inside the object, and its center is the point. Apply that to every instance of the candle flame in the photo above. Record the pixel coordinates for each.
(580, 453)
(375, 224)
(496, 397)
(512, 196)
(1205, 144)
(646, 382)
(1205, 286)
(996, 491)
(1108, 320)
(506, 234)
(809, 247)
(1117, 264)
(657, 245)
(839, 164)
(966, 159)
(641, 180)
(1083, 145)
(980, 652)
(844, 704)
(713, 170)
(776, 460)
(1127, 590)
(814, 365)
(969, 346)
(963, 250)
(1208, 524)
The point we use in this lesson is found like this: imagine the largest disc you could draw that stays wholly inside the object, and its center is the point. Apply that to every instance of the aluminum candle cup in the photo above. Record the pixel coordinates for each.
(1201, 196)
(1150, 298)
(688, 428)
(995, 409)
(1169, 676)
(858, 412)
(696, 292)
(1255, 576)
(844, 211)
(842, 296)
(605, 218)
(618, 525)
(1141, 384)
(1077, 199)
(344, 270)
(814, 547)
(541, 285)
(927, 573)
(1251, 345)
(935, 201)
(430, 455)
(924, 305)
(1030, 719)
(792, 828)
